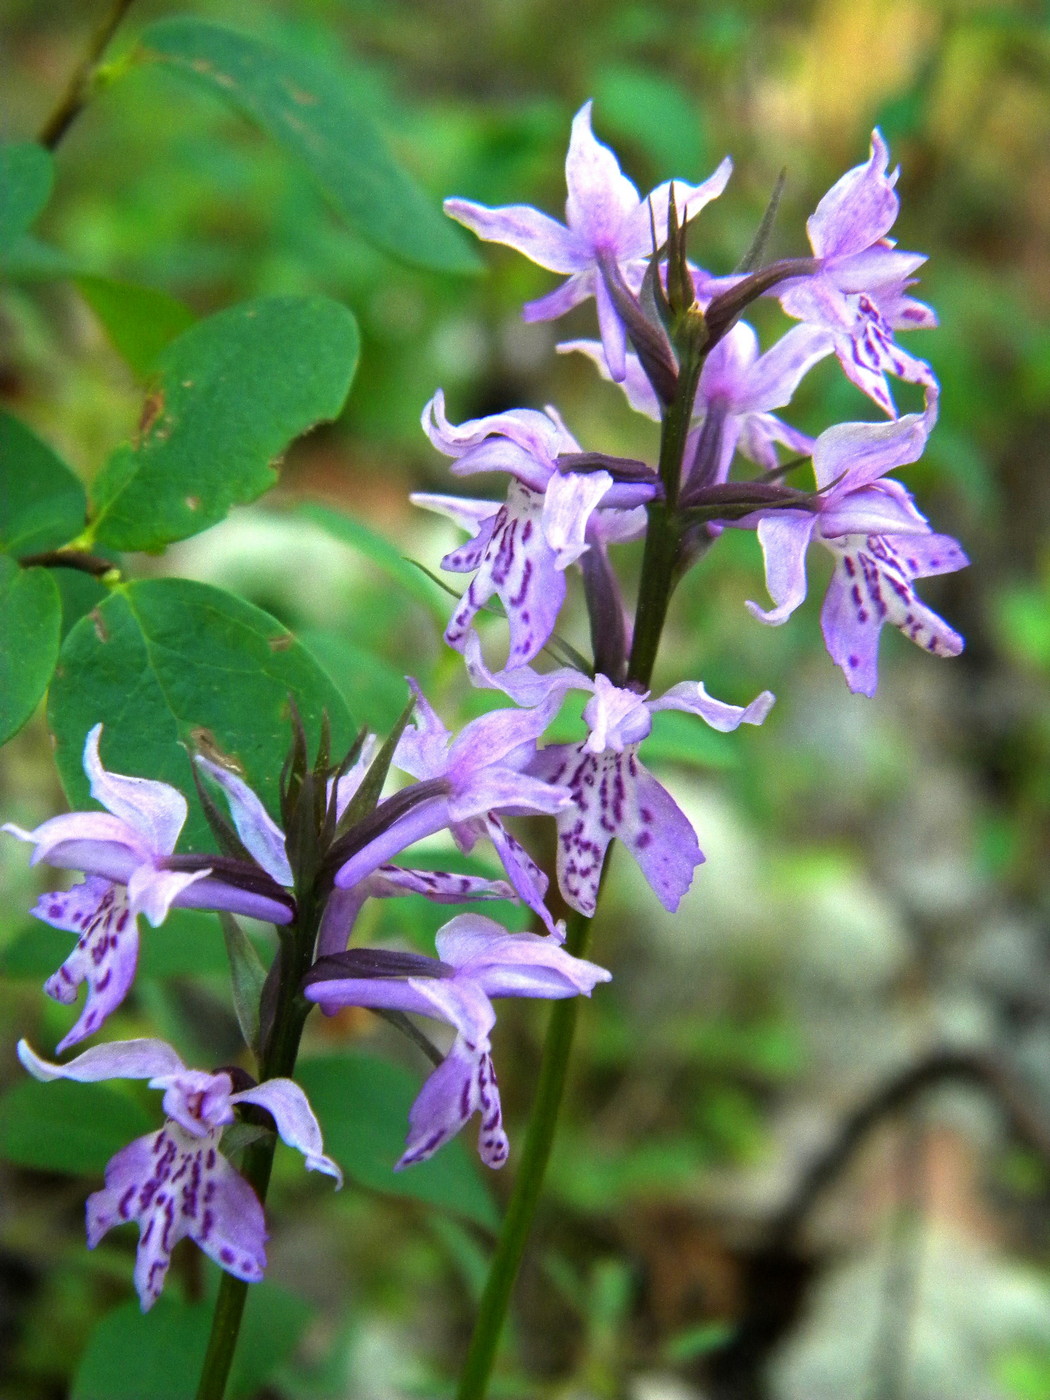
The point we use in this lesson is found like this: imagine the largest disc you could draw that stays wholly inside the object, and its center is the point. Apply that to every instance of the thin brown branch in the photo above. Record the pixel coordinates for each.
(78, 92)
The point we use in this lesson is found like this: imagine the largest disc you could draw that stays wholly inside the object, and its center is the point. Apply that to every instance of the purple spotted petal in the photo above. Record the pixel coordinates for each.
(295, 1121)
(105, 956)
(462, 1085)
(872, 584)
(441, 886)
(525, 875)
(174, 1185)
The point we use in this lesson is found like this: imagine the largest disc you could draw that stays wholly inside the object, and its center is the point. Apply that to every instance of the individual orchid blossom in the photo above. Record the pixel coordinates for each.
(126, 853)
(477, 960)
(738, 390)
(612, 793)
(607, 224)
(176, 1182)
(880, 541)
(480, 772)
(521, 549)
(859, 295)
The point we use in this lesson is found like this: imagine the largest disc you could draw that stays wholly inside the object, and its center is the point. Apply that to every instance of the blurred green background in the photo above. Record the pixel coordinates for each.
(875, 898)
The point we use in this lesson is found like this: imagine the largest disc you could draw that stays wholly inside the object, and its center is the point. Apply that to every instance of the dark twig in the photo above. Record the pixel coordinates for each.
(77, 94)
(979, 1068)
(79, 559)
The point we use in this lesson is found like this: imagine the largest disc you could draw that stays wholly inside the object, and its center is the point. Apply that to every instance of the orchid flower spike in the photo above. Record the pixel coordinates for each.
(175, 1182)
(477, 960)
(126, 854)
(606, 222)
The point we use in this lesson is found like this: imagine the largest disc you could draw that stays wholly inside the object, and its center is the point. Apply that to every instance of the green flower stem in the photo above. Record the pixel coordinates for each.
(554, 1065)
(78, 92)
(278, 1061)
(659, 566)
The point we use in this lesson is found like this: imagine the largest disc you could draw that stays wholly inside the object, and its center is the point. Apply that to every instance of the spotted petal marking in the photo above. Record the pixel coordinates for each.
(176, 1185)
(105, 956)
(462, 1085)
(519, 566)
(872, 584)
(614, 795)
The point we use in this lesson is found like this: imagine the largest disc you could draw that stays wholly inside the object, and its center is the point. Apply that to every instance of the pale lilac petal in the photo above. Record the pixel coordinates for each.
(886, 508)
(198, 1101)
(541, 435)
(600, 196)
(693, 697)
(568, 503)
(105, 956)
(156, 810)
(120, 1059)
(758, 433)
(515, 964)
(345, 788)
(377, 993)
(153, 892)
(661, 838)
(213, 893)
(261, 835)
(461, 1003)
(859, 209)
(468, 513)
(540, 238)
(636, 239)
(639, 392)
(525, 875)
(524, 685)
(615, 716)
(776, 375)
(784, 536)
(562, 300)
(95, 842)
(295, 1120)
(423, 820)
(856, 454)
(504, 789)
(879, 266)
(422, 750)
(611, 329)
(340, 914)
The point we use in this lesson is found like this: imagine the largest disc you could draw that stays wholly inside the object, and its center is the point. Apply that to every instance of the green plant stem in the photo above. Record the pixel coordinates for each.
(659, 566)
(528, 1183)
(78, 92)
(278, 1061)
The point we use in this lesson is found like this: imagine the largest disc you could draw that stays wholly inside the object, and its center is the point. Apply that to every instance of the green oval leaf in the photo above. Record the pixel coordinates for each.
(307, 109)
(159, 1356)
(30, 624)
(67, 1127)
(140, 321)
(42, 503)
(233, 391)
(162, 658)
(362, 1103)
(26, 176)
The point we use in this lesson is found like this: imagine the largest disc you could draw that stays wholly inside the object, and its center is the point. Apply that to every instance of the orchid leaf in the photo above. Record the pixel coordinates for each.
(308, 109)
(232, 392)
(166, 663)
(247, 976)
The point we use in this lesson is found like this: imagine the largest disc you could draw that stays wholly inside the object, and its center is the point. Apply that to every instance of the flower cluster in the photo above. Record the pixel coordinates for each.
(671, 336)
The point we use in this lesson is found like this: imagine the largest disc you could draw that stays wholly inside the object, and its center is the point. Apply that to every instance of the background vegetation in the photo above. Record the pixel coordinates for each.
(863, 965)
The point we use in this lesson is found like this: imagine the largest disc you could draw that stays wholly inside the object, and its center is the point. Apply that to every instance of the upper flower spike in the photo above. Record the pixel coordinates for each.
(859, 294)
(605, 220)
(175, 1182)
(477, 960)
(130, 844)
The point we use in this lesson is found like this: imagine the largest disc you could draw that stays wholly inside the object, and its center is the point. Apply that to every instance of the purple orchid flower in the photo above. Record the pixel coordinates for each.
(738, 390)
(880, 541)
(480, 772)
(126, 854)
(477, 960)
(175, 1182)
(606, 223)
(612, 793)
(860, 293)
(263, 838)
(521, 549)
